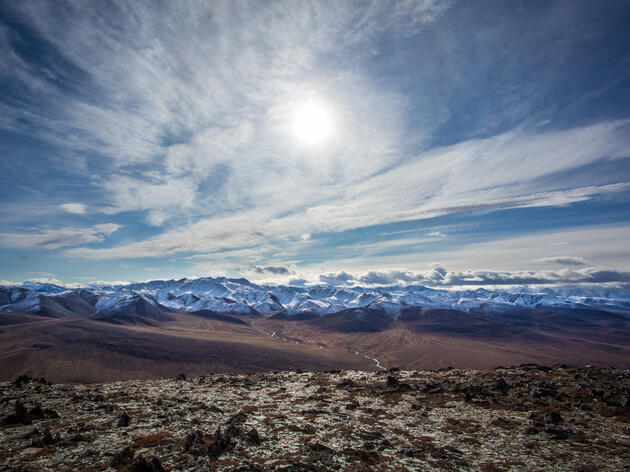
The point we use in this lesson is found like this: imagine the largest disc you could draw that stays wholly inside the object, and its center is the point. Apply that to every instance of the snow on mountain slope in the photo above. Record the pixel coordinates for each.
(221, 294)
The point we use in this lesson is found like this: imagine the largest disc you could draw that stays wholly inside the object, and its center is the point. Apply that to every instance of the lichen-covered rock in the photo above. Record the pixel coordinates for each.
(518, 419)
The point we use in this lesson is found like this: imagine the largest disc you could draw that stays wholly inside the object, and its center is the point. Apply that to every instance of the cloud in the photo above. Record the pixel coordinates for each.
(441, 277)
(158, 195)
(340, 278)
(187, 109)
(298, 282)
(476, 175)
(76, 208)
(600, 245)
(58, 238)
(276, 270)
(563, 260)
(44, 280)
(138, 78)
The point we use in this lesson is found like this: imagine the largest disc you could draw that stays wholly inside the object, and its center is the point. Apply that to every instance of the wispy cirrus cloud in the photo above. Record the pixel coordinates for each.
(478, 175)
(57, 238)
(179, 117)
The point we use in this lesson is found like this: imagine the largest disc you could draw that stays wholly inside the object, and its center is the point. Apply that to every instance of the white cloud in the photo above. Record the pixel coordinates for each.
(436, 183)
(76, 208)
(159, 196)
(45, 280)
(57, 238)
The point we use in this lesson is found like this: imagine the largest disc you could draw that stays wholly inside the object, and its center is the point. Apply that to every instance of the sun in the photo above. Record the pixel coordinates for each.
(312, 123)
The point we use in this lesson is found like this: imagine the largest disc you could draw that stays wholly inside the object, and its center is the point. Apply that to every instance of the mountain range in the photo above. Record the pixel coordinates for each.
(216, 324)
(240, 296)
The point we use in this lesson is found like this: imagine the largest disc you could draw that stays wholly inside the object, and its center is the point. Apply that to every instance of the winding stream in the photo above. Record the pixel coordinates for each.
(356, 353)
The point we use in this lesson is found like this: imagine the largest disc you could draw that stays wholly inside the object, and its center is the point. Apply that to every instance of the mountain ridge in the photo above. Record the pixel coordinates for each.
(240, 296)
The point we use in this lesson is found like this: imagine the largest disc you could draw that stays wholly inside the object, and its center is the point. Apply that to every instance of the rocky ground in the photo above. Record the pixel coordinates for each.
(526, 418)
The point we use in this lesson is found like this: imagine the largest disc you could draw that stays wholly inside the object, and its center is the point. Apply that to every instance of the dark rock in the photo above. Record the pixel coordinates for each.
(352, 406)
(37, 413)
(543, 389)
(552, 417)
(499, 385)
(49, 413)
(392, 382)
(194, 444)
(142, 465)
(367, 456)
(308, 429)
(531, 430)
(237, 419)
(433, 388)
(233, 431)
(32, 434)
(219, 445)
(181, 377)
(346, 384)
(248, 468)
(124, 420)
(20, 416)
(559, 432)
(20, 411)
(78, 438)
(471, 391)
(196, 437)
(21, 380)
(318, 451)
(253, 437)
(47, 438)
(122, 457)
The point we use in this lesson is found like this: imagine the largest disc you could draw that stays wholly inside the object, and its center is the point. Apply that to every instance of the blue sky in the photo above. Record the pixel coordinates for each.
(485, 140)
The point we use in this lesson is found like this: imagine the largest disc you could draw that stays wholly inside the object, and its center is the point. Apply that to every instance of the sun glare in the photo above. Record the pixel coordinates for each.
(312, 123)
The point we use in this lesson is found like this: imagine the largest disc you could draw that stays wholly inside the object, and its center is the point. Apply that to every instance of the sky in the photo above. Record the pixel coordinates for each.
(442, 142)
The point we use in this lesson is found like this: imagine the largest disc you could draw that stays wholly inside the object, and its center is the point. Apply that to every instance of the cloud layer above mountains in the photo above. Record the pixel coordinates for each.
(439, 276)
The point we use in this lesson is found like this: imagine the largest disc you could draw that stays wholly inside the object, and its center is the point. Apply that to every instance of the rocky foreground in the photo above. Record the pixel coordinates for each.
(525, 418)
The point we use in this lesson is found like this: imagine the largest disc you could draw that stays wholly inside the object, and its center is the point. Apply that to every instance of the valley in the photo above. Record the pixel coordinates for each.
(162, 329)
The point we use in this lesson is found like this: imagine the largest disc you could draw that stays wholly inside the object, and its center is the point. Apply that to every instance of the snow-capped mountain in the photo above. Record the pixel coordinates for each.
(241, 296)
